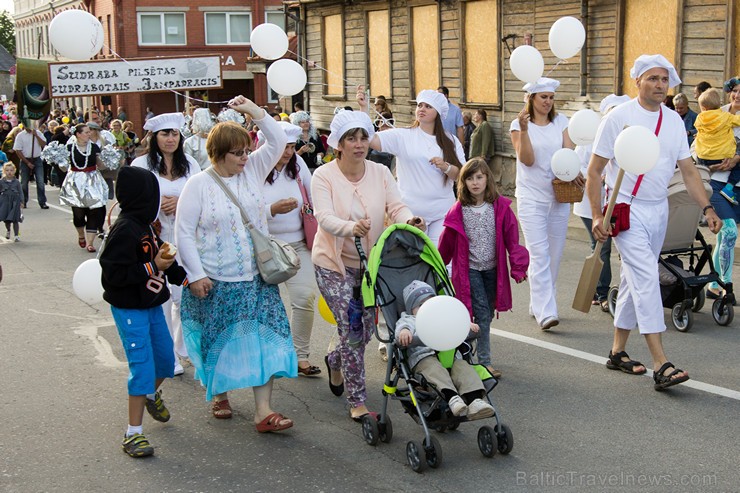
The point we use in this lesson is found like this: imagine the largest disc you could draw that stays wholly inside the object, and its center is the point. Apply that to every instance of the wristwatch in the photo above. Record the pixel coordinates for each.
(706, 208)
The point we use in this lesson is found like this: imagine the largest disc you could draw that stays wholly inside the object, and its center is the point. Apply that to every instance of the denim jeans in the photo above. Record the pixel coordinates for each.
(605, 279)
(483, 298)
(38, 173)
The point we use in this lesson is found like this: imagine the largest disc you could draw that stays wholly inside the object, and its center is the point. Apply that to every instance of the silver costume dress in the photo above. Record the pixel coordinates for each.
(83, 186)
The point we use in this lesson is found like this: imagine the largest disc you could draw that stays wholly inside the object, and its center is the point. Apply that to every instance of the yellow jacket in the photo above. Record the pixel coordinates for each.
(714, 137)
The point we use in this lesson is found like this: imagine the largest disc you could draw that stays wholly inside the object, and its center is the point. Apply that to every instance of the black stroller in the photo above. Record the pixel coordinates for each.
(403, 254)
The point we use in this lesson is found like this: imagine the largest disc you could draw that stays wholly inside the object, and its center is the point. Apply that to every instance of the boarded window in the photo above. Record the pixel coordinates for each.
(659, 20)
(481, 55)
(425, 32)
(379, 50)
(334, 55)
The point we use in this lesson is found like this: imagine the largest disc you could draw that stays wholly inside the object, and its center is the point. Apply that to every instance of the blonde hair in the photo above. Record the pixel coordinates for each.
(9, 167)
(710, 99)
(224, 137)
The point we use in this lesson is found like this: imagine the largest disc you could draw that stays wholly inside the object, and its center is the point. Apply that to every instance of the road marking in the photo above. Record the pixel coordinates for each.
(694, 384)
(52, 206)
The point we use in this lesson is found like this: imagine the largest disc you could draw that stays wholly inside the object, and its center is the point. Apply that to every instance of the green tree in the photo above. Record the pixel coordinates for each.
(7, 31)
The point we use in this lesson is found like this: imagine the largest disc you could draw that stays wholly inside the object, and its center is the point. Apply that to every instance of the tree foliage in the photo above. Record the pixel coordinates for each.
(7, 31)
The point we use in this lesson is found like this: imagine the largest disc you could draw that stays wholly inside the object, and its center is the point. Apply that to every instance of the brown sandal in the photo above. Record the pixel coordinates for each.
(274, 422)
(221, 409)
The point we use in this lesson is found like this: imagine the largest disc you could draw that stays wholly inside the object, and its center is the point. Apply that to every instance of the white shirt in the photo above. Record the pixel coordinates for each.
(170, 188)
(673, 148)
(422, 185)
(195, 146)
(288, 227)
(28, 145)
(583, 208)
(535, 182)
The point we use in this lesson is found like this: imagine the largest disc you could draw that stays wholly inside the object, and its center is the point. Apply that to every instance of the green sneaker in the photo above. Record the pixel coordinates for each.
(157, 409)
(137, 446)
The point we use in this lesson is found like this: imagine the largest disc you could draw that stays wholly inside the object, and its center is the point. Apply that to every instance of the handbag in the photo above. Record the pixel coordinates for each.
(310, 224)
(277, 261)
(620, 220)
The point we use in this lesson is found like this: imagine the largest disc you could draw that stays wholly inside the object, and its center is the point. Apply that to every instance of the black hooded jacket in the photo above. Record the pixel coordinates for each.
(130, 276)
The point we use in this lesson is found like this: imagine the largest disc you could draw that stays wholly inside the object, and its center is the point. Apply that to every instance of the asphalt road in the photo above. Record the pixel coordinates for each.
(577, 426)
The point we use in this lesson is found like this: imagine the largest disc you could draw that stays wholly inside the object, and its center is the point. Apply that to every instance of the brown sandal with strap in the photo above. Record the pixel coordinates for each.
(221, 409)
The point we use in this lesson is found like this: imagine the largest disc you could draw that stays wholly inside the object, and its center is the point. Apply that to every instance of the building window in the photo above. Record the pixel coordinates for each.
(334, 55)
(225, 28)
(481, 69)
(379, 52)
(425, 51)
(275, 17)
(162, 29)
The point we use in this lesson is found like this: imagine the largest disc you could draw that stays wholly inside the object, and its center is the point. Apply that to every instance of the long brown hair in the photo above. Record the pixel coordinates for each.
(472, 167)
(444, 142)
(530, 108)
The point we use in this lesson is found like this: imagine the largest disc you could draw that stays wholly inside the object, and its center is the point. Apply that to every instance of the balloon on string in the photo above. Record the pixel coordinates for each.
(582, 127)
(565, 164)
(76, 34)
(442, 323)
(636, 149)
(269, 41)
(526, 63)
(86, 282)
(566, 37)
(65, 119)
(286, 77)
(325, 311)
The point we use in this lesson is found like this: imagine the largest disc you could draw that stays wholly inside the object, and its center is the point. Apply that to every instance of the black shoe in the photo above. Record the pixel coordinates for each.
(337, 390)
(44, 206)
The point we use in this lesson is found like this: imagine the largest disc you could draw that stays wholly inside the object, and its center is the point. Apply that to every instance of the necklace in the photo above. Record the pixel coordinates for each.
(86, 154)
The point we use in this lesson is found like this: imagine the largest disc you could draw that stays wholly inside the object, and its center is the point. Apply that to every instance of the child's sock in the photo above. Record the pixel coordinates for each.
(471, 396)
(133, 430)
(151, 397)
(448, 394)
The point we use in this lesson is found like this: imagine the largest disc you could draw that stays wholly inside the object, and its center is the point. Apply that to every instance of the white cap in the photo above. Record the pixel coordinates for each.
(165, 121)
(293, 132)
(346, 120)
(646, 62)
(436, 100)
(543, 84)
(611, 101)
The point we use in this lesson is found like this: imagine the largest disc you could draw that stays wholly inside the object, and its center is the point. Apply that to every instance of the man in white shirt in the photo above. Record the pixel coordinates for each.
(28, 146)
(453, 122)
(639, 304)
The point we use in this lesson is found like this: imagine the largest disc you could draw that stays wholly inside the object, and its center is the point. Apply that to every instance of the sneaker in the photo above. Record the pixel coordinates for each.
(137, 446)
(156, 408)
(383, 350)
(479, 409)
(728, 194)
(7, 235)
(44, 206)
(17, 239)
(549, 322)
(179, 370)
(457, 406)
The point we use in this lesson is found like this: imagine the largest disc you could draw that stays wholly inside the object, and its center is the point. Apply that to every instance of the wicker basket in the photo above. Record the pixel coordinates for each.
(567, 192)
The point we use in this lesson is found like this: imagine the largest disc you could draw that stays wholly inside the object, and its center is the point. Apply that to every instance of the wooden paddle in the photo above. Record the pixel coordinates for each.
(593, 264)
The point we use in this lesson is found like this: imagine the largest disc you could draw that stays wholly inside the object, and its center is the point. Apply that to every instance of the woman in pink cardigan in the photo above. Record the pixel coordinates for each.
(351, 199)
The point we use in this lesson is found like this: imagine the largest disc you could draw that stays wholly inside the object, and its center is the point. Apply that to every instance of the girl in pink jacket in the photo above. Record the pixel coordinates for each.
(480, 232)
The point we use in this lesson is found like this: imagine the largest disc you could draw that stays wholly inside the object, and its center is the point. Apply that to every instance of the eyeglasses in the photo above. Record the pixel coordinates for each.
(240, 152)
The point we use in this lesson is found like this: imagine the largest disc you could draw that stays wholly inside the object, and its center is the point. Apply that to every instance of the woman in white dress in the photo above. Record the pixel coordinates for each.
(195, 145)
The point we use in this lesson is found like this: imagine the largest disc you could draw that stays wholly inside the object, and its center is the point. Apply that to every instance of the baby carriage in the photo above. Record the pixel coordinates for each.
(682, 289)
(404, 254)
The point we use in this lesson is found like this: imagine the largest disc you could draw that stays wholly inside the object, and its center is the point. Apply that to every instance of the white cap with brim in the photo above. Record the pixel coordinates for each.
(543, 84)
(346, 120)
(647, 62)
(165, 121)
(436, 100)
(611, 101)
(293, 132)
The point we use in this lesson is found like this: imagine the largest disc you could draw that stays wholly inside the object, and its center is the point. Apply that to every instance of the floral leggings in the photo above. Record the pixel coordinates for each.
(336, 289)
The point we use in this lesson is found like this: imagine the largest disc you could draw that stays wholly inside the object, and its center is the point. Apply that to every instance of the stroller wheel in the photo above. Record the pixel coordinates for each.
(370, 430)
(505, 438)
(611, 299)
(699, 301)
(682, 322)
(487, 441)
(722, 313)
(414, 453)
(385, 431)
(434, 454)
(453, 426)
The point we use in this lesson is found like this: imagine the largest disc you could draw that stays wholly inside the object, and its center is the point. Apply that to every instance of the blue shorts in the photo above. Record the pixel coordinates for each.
(148, 347)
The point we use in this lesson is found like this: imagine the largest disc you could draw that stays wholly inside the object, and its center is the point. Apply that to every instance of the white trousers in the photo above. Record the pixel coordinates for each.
(434, 229)
(303, 291)
(639, 303)
(171, 310)
(545, 225)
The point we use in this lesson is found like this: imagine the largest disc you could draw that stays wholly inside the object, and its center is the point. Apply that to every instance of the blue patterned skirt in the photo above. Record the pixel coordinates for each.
(238, 336)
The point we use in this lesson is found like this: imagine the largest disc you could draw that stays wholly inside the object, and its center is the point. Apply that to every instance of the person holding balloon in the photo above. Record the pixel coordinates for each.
(639, 303)
(538, 133)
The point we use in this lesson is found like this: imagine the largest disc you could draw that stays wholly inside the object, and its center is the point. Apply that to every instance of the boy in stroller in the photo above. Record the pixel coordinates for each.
(461, 386)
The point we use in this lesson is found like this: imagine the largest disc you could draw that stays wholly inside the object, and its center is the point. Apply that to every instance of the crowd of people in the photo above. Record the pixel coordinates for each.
(203, 184)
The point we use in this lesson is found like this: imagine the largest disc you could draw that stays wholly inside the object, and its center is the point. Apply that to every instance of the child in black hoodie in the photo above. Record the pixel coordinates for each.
(134, 281)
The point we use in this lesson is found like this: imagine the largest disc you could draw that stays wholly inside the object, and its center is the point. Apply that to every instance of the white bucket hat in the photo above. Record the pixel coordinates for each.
(543, 84)
(165, 121)
(436, 100)
(646, 62)
(346, 120)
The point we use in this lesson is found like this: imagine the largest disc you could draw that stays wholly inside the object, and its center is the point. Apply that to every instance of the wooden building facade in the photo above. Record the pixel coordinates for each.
(399, 47)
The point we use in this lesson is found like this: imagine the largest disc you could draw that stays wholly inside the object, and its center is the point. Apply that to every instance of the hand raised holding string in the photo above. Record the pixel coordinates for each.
(523, 118)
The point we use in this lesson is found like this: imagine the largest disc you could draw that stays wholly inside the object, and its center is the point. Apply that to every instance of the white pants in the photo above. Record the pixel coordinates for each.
(639, 303)
(434, 229)
(545, 225)
(171, 310)
(302, 290)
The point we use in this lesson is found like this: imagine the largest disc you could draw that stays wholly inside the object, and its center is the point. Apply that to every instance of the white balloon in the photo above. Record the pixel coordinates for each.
(526, 63)
(286, 77)
(566, 37)
(565, 164)
(636, 150)
(76, 34)
(582, 127)
(442, 323)
(269, 41)
(86, 282)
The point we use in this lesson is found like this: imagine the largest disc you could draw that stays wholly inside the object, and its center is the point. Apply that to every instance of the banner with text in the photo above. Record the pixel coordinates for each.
(138, 75)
